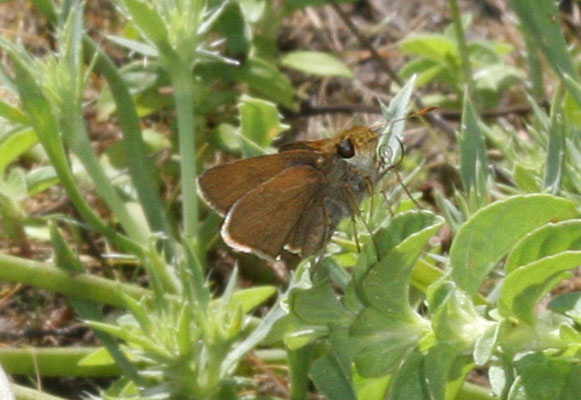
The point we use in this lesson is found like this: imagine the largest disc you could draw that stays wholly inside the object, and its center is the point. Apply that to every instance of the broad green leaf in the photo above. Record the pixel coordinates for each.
(319, 306)
(492, 231)
(483, 53)
(331, 379)
(267, 81)
(12, 114)
(568, 304)
(14, 145)
(316, 63)
(371, 388)
(386, 284)
(546, 241)
(439, 362)
(250, 298)
(496, 78)
(546, 378)
(426, 70)
(524, 287)
(433, 46)
(384, 342)
(409, 381)
(260, 123)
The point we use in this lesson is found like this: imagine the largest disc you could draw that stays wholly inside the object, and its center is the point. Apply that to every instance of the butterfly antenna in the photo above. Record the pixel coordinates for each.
(407, 192)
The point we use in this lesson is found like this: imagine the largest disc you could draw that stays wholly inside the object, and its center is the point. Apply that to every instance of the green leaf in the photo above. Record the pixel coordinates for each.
(12, 114)
(388, 146)
(439, 362)
(316, 63)
(492, 231)
(319, 306)
(149, 21)
(568, 304)
(473, 160)
(426, 70)
(259, 123)
(526, 178)
(541, 25)
(557, 148)
(433, 46)
(40, 179)
(409, 381)
(233, 25)
(371, 388)
(14, 145)
(331, 379)
(383, 342)
(546, 241)
(386, 284)
(486, 344)
(454, 316)
(250, 298)
(524, 287)
(265, 80)
(545, 378)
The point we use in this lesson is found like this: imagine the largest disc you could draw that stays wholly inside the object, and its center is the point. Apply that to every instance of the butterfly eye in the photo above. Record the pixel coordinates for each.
(346, 149)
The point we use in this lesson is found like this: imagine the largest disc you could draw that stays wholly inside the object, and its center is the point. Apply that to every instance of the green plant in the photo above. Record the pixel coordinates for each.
(438, 59)
(402, 319)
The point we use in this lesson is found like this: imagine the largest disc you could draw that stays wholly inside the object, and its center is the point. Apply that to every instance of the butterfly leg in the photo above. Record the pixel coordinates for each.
(355, 211)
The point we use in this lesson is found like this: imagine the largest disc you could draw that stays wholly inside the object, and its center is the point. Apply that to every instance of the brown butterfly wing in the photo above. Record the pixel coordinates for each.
(221, 186)
(264, 219)
(312, 231)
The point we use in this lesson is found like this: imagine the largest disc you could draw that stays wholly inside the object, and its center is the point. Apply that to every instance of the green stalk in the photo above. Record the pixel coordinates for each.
(54, 361)
(83, 286)
(140, 167)
(462, 47)
(183, 86)
(537, 87)
(75, 134)
(38, 108)
(299, 361)
(24, 393)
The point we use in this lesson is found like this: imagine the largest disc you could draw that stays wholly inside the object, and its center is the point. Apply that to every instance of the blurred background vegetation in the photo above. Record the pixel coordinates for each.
(115, 284)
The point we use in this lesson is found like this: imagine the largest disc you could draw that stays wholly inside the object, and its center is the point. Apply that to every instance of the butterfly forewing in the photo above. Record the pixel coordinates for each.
(265, 219)
(222, 185)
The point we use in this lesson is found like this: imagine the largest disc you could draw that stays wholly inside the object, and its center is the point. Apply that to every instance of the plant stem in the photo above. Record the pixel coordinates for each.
(183, 85)
(54, 361)
(462, 49)
(84, 286)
